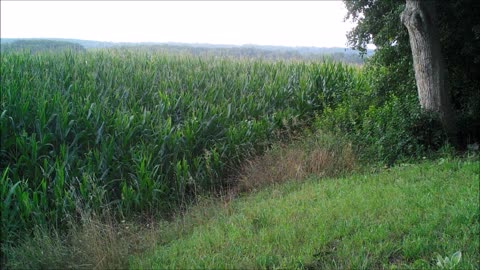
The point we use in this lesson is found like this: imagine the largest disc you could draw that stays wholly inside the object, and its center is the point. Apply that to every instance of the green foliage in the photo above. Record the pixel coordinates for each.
(385, 127)
(142, 131)
(378, 22)
(449, 262)
(399, 218)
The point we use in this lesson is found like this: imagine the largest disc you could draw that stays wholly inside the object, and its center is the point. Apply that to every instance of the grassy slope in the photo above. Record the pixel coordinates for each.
(400, 217)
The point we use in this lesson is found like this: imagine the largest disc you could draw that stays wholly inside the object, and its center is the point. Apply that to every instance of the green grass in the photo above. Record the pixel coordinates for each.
(401, 217)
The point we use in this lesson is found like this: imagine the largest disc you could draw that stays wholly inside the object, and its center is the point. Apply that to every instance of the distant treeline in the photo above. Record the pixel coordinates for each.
(245, 51)
(263, 52)
(40, 45)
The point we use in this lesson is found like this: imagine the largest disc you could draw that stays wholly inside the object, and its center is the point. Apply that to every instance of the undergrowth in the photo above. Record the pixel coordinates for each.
(320, 155)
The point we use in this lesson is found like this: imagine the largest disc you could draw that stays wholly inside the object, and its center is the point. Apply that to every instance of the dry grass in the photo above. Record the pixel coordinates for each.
(96, 243)
(107, 244)
(318, 155)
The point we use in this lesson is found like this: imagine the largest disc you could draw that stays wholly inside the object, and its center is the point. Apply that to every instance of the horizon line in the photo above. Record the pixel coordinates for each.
(178, 42)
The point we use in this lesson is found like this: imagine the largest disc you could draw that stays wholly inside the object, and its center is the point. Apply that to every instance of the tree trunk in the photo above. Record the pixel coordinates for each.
(430, 74)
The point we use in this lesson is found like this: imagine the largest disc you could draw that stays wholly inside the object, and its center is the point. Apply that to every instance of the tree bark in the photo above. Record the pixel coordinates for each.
(419, 17)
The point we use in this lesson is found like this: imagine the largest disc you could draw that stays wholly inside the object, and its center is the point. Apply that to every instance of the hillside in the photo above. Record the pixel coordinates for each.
(401, 217)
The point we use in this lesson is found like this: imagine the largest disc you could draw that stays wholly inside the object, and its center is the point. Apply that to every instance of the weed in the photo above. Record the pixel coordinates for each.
(319, 155)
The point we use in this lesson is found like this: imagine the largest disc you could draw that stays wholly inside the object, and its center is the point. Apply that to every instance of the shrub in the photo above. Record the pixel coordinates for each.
(386, 129)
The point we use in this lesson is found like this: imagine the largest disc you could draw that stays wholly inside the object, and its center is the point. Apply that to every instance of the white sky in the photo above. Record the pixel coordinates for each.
(293, 23)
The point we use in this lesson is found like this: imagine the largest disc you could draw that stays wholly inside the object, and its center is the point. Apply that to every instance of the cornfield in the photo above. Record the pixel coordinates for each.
(142, 130)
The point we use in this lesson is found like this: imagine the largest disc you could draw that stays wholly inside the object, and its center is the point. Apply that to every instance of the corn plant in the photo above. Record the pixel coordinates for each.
(143, 130)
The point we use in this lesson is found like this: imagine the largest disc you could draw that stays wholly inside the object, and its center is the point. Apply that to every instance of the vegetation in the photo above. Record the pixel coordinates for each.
(319, 154)
(141, 131)
(109, 146)
(378, 22)
(343, 55)
(408, 216)
(400, 218)
(264, 52)
(40, 45)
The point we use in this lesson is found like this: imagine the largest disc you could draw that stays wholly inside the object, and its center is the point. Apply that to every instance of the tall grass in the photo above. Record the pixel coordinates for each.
(142, 131)
(319, 155)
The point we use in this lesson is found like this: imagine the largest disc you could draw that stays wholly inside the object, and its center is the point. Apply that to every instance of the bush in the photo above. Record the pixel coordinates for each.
(386, 129)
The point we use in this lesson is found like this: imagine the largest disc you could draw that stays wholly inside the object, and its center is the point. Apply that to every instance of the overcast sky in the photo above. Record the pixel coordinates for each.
(294, 23)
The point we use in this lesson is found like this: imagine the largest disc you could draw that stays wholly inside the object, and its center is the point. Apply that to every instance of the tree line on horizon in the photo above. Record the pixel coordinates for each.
(343, 55)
